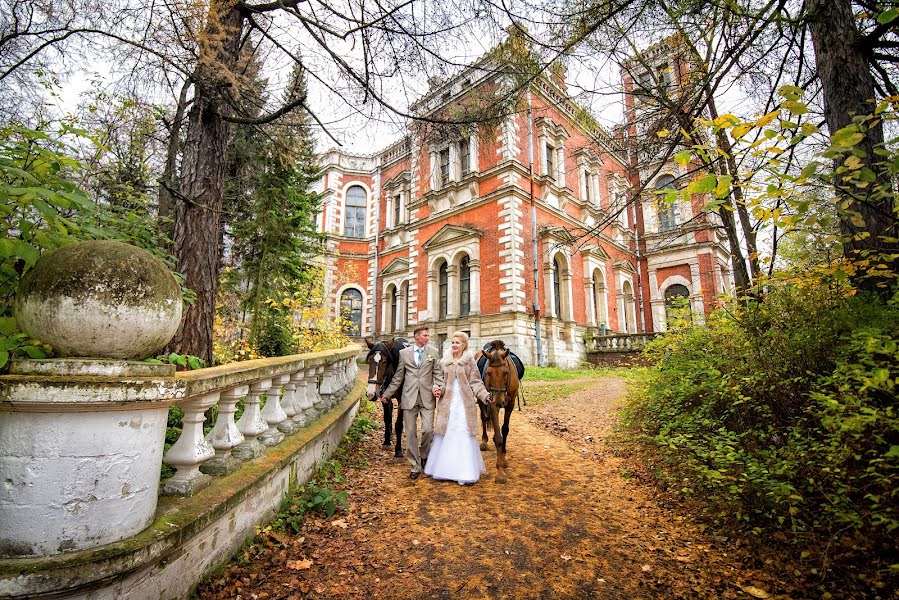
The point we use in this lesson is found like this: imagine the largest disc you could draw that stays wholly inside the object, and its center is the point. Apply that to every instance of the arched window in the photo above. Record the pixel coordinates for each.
(557, 288)
(464, 288)
(356, 200)
(443, 285)
(351, 310)
(677, 304)
(393, 303)
(667, 217)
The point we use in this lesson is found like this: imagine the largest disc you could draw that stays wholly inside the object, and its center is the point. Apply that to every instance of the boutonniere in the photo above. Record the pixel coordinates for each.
(431, 357)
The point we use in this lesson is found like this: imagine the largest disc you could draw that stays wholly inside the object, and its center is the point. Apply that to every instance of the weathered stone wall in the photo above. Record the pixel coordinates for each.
(189, 536)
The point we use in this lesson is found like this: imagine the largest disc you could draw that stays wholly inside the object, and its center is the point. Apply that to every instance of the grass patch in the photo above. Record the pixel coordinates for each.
(537, 395)
(560, 374)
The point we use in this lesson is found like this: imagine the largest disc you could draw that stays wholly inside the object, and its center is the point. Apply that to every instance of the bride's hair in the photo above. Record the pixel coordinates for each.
(463, 337)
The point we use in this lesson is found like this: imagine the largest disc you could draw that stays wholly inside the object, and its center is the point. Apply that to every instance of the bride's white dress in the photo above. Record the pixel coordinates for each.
(455, 456)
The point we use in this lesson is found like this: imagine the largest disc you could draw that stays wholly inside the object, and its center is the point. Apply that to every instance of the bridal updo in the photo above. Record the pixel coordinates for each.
(463, 337)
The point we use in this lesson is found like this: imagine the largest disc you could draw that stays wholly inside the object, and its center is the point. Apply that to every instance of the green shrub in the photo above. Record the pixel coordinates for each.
(782, 412)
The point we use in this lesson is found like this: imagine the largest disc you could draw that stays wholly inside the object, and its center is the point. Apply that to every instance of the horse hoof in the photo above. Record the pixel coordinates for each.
(500, 479)
(483, 446)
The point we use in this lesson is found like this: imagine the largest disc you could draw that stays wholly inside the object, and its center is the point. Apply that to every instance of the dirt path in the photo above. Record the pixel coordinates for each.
(568, 524)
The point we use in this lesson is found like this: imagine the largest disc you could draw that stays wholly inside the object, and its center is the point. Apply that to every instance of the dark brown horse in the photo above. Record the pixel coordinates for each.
(383, 359)
(501, 380)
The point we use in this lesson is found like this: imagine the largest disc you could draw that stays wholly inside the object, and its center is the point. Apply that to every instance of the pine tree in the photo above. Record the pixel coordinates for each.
(274, 233)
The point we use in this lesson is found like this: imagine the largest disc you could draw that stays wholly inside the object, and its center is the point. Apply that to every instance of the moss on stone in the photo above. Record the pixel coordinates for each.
(110, 271)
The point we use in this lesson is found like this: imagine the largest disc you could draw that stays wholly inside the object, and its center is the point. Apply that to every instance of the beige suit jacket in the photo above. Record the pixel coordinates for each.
(418, 381)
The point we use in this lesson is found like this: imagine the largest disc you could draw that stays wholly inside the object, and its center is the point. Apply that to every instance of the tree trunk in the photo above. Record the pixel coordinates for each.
(198, 210)
(848, 88)
(168, 181)
(730, 167)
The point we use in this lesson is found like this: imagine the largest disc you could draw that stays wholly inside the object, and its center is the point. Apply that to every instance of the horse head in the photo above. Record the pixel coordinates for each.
(378, 359)
(498, 371)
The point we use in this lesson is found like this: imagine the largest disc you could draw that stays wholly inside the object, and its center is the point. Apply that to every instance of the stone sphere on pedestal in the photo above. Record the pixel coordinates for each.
(100, 299)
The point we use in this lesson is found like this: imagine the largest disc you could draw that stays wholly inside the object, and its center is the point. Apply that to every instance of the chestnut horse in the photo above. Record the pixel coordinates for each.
(501, 380)
(383, 359)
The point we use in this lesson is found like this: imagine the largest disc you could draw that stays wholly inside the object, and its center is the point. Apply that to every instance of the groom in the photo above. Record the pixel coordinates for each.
(421, 376)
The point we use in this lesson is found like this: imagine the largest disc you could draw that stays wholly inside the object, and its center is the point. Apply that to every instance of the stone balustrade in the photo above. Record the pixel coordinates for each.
(82, 453)
(278, 381)
(82, 436)
(620, 342)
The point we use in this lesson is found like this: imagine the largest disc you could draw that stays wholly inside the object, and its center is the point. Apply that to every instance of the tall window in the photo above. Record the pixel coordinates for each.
(404, 307)
(464, 288)
(677, 304)
(393, 303)
(351, 310)
(586, 185)
(355, 212)
(397, 209)
(550, 162)
(444, 167)
(442, 283)
(667, 219)
(557, 288)
(464, 158)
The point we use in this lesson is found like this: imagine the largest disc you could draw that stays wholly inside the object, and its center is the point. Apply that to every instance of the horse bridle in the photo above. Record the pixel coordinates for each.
(390, 362)
(507, 377)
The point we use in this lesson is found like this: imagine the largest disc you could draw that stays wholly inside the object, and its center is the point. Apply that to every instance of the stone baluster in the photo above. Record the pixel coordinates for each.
(325, 388)
(225, 435)
(300, 402)
(191, 449)
(318, 401)
(352, 371)
(289, 404)
(273, 413)
(251, 423)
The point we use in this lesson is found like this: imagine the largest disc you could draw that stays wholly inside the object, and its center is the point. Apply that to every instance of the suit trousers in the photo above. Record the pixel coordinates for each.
(415, 450)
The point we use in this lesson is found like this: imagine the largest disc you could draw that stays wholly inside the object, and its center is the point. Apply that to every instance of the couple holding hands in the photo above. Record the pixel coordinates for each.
(449, 448)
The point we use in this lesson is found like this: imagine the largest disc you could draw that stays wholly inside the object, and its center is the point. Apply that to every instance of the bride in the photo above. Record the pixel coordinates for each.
(455, 454)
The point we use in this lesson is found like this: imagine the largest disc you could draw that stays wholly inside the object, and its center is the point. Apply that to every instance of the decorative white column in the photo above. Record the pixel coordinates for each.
(272, 412)
(288, 403)
(474, 286)
(251, 424)
(433, 296)
(590, 303)
(190, 449)
(225, 435)
(452, 291)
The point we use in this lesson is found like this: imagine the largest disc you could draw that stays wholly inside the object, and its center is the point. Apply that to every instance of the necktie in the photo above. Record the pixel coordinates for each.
(418, 357)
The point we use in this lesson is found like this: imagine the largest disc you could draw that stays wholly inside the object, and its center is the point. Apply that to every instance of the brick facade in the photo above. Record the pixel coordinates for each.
(449, 241)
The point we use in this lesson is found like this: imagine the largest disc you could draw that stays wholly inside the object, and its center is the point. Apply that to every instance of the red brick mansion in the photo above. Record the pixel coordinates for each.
(443, 229)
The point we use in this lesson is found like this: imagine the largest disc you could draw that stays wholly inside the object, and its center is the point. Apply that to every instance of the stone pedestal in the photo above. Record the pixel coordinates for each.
(81, 445)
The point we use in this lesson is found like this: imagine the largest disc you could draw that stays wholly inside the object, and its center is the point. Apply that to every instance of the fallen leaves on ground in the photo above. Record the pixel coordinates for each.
(568, 524)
